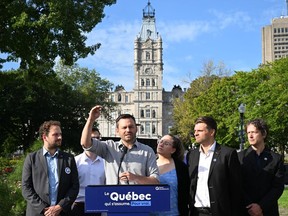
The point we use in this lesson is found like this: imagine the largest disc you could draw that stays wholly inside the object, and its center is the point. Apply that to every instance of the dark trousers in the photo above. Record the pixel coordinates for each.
(78, 209)
(201, 212)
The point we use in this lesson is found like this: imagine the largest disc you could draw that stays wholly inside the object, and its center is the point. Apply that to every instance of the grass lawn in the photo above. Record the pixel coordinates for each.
(283, 203)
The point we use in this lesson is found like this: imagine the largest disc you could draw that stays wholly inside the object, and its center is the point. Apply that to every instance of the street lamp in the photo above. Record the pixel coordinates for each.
(241, 110)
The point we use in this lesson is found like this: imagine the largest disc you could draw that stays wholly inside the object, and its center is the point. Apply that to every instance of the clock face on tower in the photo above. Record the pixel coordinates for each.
(148, 71)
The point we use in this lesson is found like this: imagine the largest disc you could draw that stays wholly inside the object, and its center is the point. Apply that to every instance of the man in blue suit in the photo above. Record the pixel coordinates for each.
(50, 178)
(214, 172)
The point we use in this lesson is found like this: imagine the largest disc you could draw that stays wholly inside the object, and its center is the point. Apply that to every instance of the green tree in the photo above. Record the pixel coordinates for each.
(263, 90)
(27, 98)
(87, 83)
(36, 32)
(30, 97)
(89, 89)
(270, 101)
(185, 112)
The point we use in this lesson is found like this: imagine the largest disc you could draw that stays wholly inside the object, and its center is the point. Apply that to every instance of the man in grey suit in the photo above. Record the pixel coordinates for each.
(50, 178)
(214, 172)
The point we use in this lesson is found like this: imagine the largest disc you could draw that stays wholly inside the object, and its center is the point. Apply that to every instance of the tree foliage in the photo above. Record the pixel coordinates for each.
(30, 97)
(37, 31)
(263, 90)
(87, 83)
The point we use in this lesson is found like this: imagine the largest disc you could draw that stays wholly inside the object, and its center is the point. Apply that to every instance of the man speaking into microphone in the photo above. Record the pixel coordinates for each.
(127, 161)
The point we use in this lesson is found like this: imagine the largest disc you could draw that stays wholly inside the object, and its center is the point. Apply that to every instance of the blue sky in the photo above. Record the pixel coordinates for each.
(193, 32)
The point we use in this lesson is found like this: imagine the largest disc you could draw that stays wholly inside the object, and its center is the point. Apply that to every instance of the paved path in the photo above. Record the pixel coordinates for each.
(283, 212)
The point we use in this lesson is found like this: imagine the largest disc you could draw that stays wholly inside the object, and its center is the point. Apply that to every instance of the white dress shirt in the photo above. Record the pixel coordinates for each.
(89, 172)
(202, 198)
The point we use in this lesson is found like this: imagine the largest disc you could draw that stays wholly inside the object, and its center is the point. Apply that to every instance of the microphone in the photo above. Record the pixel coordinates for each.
(124, 151)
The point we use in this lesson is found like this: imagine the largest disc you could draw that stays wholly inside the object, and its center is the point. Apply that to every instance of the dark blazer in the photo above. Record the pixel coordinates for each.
(183, 187)
(224, 181)
(35, 183)
(263, 179)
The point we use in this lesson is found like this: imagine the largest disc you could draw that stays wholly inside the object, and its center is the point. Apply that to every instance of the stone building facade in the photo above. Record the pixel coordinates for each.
(149, 103)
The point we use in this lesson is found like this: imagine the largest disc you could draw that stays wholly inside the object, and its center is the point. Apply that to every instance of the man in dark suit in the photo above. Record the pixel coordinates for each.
(50, 179)
(214, 172)
(263, 172)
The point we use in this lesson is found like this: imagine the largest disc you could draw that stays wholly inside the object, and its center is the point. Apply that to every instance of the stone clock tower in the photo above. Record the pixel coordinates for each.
(149, 103)
(148, 69)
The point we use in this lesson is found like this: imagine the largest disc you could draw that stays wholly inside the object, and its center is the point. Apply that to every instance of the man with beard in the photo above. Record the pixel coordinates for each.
(127, 161)
(50, 178)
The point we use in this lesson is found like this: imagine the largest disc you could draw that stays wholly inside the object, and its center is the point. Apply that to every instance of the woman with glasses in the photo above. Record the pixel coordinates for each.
(174, 172)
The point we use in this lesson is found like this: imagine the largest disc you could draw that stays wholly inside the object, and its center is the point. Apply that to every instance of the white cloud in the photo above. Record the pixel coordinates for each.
(232, 19)
(114, 59)
(179, 31)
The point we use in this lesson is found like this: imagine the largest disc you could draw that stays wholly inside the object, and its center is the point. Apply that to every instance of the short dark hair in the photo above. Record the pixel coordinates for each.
(95, 129)
(124, 116)
(261, 125)
(209, 121)
(45, 127)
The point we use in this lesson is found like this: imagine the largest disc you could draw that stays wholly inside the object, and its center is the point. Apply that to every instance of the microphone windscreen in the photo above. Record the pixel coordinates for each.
(125, 149)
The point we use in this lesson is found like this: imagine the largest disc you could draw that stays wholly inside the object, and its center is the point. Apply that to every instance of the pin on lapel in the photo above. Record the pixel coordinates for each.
(67, 170)
(214, 160)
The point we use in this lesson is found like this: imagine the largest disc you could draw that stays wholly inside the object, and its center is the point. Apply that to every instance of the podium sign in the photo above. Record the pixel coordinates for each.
(127, 198)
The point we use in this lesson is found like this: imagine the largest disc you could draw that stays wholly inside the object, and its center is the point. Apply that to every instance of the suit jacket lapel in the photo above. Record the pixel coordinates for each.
(43, 161)
(215, 158)
(195, 157)
(60, 164)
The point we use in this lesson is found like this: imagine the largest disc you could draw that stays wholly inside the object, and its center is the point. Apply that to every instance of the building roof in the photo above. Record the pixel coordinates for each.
(148, 30)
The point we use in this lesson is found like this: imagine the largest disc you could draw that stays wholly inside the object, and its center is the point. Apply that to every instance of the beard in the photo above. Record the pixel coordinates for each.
(54, 145)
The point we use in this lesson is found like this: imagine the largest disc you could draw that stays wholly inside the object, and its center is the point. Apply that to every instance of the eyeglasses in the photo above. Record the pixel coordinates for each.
(164, 142)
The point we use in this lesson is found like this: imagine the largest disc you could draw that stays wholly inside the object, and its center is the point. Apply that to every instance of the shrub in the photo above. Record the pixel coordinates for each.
(13, 204)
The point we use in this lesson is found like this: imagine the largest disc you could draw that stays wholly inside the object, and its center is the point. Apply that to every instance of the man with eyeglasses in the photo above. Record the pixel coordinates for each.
(126, 161)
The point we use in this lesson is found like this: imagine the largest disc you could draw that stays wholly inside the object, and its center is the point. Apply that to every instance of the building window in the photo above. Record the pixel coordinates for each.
(153, 129)
(126, 99)
(148, 113)
(147, 82)
(142, 82)
(119, 97)
(141, 129)
(142, 113)
(153, 114)
(147, 95)
(153, 82)
(147, 128)
(147, 55)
